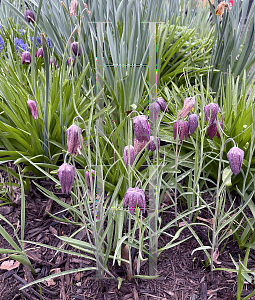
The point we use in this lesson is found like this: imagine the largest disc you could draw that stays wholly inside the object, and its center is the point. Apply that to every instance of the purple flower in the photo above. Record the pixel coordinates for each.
(29, 16)
(212, 130)
(1, 44)
(74, 47)
(70, 60)
(20, 44)
(235, 157)
(26, 57)
(48, 42)
(53, 62)
(134, 197)
(187, 107)
(39, 53)
(152, 145)
(183, 129)
(211, 112)
(74, 4)
(139, 145)
(66, 174)
(154, 109)
(126, 155)
(192, 123)
(87, 178)
(141, 128)
(73, 139)
(33, 108)
(162, 104)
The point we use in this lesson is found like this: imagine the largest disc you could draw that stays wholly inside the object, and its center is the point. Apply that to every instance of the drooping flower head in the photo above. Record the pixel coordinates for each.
(141, 128)
(192, 123)
(73, 139)
(187, 107)
(134, 197)
(26, 57)
(74, 4)
(39, 53)
(131, 153)
(154, 109)
(152, 145)
(212, 130)
(66, 174)
(235, 157)
(33, 108)
(76, 48)
(183, 129)
(87, 178)
(211, 112)
(29, 16)
(162, 104)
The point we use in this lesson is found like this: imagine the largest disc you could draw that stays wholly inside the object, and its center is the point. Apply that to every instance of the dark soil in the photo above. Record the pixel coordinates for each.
(181, 275)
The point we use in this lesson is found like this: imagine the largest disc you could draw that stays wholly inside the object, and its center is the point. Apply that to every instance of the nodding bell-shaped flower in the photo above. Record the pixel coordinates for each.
(126, 155)
(26, 57)
(152, 145)
(235, 157)
(154, 109)
(134, 197)
(75, 46)
(221, 125)
(141, 128)
(87, 178)
(73, 139)
(139, 145)
(162, 104)
(212, 130)
(66, 174)
(183, 129)
(33, 108)
(39, 53)
(71, 60)
(192, 123)
(211, 112)
(187, 107)
(29, 16)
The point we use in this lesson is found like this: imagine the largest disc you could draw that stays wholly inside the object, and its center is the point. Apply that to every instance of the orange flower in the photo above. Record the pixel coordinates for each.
(220, 9)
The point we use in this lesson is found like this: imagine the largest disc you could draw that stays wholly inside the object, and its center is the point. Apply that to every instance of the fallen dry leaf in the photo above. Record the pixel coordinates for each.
(9, 265)
(49, 282)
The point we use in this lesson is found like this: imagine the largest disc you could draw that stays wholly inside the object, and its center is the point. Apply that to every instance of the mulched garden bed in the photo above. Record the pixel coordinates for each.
(182, 275)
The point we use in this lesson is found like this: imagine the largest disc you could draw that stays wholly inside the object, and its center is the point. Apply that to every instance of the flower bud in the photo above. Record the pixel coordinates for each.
(162, 104)
(183, 129)
(141, 128)
(235, 157)
(154, 110)
(211, 112)
(74, 47)
(33, 108)
(66, 174)
(192, 123)
(126, 155)
(152, 145)
(87, 178)
(29, 16)
(70, 60)
(25, 57)
(134, 197)
(212, 130)
(53, 62)
(187, 107)
(73, 139)
(39, 53)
